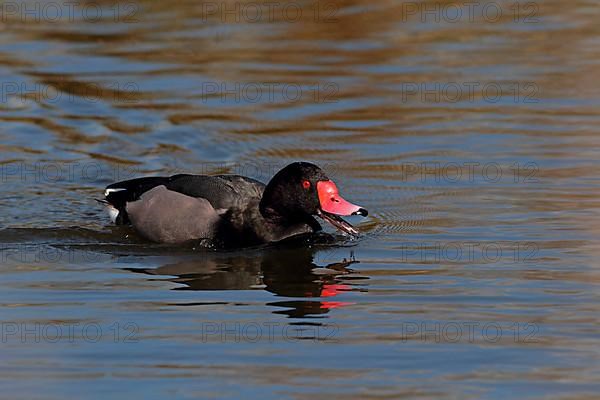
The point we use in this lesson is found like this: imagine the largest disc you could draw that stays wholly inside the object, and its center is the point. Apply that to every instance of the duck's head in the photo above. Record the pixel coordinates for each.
(302, 190)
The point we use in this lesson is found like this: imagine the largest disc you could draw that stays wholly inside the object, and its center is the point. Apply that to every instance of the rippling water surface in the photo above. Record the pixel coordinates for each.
(471, 136)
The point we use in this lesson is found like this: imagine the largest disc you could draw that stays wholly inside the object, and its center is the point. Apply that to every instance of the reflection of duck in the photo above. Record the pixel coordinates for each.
(284, 270)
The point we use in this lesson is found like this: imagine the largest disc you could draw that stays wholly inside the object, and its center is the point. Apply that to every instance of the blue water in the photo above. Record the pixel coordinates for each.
(473, 144)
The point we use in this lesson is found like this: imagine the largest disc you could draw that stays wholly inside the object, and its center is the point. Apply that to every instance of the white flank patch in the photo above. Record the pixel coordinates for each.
(113, 213)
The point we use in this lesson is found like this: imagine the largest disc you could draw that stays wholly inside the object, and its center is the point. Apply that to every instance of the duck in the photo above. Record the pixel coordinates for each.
(230, 210)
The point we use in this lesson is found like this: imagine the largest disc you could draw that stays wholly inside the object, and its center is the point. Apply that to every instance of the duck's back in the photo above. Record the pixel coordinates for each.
(221, 191)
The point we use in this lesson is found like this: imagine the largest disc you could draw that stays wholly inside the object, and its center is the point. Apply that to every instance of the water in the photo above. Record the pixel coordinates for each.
(472, 139)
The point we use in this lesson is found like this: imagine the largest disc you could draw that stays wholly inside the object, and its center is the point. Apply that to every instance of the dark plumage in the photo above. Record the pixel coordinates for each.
(229, 210)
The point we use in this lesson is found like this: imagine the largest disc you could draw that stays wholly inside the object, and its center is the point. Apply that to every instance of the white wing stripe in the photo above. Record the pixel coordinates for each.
(108, 191)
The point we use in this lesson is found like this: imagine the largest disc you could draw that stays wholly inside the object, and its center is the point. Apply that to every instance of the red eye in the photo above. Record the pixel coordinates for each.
(305, 184)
